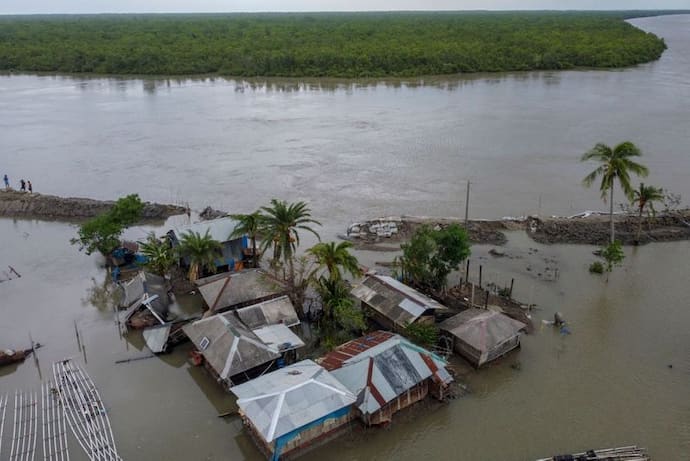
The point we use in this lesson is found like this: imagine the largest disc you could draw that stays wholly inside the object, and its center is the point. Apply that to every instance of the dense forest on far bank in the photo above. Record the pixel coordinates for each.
(324, 44)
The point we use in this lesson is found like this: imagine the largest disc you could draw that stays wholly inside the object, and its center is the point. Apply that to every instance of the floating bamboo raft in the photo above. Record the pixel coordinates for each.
(54, 425)
(25, 427)
(631, 453)
(85, 412)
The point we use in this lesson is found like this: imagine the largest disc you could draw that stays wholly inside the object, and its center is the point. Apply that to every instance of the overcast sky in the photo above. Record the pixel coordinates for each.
(141, 6)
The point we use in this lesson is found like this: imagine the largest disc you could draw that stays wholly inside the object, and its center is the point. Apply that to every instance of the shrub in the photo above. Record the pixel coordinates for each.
(596, 268)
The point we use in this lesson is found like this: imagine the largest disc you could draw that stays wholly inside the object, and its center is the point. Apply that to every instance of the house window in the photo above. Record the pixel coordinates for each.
(204, 343)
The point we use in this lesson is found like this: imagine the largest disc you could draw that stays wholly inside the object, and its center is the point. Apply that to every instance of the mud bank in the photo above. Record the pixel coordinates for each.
(594, 229)
(386, 234)
(25, 205)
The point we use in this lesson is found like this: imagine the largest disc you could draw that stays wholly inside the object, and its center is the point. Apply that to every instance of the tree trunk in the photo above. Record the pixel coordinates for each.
(255, 261)
(611, 216)
(639, 227)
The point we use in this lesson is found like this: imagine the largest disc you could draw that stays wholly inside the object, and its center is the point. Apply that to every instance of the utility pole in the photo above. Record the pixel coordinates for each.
(467, 205)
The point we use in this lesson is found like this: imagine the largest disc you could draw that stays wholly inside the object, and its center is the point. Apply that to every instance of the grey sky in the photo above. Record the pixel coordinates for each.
(123, 6)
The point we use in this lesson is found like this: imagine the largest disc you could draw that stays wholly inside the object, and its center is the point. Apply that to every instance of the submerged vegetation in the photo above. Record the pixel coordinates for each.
(321, 44)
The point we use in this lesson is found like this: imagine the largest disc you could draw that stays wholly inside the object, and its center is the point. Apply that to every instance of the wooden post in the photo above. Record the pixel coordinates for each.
(486, 300)
(510, 293)
(480, 276)
(467, 271)
(472, 297)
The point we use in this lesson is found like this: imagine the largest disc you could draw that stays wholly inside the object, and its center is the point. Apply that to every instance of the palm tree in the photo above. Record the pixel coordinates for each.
(249, 225)
(202, 252)
(615, 164)
(159, 253)
(280, 229)
(332, 257)
(645, 196)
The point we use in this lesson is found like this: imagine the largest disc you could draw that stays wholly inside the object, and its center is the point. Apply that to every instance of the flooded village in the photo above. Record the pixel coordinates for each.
(347, 270)
(297, 383)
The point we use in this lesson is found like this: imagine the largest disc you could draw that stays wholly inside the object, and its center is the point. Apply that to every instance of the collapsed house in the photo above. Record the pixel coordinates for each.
(234, 250)
(293, 407)
(234, 353)
(387, 373)
(238, 289)
(482, 335)
(394, 305)
(145, 299)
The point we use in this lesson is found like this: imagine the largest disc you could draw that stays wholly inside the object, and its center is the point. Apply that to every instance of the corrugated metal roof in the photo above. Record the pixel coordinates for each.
(394, 300)
(157, 337)
(230, 289)
(227, 345)
(385, 367)
(146, 283)
(336, 358)
(271, 312)
(280, 402)
(219, 229)
(278, 337)
(482, 329)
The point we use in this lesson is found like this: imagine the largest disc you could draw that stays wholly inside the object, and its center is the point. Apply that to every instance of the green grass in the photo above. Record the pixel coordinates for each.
(323, 44)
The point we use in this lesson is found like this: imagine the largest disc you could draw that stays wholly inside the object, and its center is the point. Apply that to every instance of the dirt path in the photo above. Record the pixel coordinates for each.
(26, 205)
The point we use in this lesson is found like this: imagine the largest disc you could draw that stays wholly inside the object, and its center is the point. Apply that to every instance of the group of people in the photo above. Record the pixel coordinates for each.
(23, 185)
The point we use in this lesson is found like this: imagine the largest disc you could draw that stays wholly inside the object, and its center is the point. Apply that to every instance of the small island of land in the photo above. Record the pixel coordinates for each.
(347, 45)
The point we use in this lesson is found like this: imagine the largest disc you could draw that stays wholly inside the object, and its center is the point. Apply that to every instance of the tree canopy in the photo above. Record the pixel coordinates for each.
(103, 232)
(431, 255)
(324, 44)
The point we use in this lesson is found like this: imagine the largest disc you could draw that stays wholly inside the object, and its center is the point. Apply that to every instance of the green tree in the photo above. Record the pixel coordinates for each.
(422, 334)
(159, 254)
(338, 306)
(334, 257)
(249, 225)
(202, 252)
(615, 164)
(433, 254)
(613, 256)
(644, 197)
(103, 232)
(280, 229)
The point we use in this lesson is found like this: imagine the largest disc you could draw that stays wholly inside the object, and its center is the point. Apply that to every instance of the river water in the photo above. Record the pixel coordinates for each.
(356, 150)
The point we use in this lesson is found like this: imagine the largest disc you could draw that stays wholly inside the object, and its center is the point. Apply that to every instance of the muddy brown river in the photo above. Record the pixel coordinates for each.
(356, 150)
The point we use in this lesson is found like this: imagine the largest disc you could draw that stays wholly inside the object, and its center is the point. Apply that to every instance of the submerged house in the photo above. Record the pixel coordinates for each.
(234, 250)
(387, 373)
(272, 321)
(482, 335)
(394, 305)
(234, 353)
(146, 300)
(238, 289)
(271, 312)
(292, 408)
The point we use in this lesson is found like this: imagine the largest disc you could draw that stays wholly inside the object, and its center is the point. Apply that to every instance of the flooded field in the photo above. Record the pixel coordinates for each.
(359, 150)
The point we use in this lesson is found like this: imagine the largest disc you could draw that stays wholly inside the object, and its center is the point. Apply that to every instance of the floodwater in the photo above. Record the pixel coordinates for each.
(355, 150)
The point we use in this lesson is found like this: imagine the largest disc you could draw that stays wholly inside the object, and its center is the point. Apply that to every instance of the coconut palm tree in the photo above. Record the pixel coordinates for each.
(280, 228)
(202, 252)
(159, 254)
(644, 197)
(249, 225)
(333, 257)
(615, 164)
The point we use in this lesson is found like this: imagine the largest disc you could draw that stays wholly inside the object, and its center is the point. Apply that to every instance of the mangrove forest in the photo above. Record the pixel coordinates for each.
(324, 44)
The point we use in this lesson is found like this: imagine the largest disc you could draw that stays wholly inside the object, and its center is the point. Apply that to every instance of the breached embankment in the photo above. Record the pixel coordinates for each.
(25, 205)
(385, 234)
